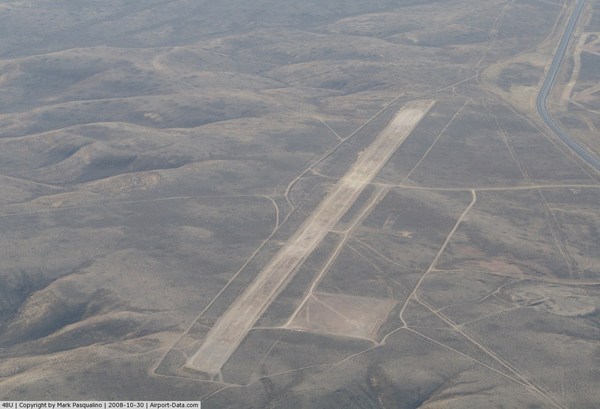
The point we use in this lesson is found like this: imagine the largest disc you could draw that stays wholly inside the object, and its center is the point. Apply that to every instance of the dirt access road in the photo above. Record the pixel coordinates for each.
(231, 328)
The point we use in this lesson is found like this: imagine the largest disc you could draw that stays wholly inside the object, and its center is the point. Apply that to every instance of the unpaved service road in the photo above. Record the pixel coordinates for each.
(231, 328)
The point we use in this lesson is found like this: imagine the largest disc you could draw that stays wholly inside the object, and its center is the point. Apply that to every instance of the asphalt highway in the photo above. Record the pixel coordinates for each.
(583, 153)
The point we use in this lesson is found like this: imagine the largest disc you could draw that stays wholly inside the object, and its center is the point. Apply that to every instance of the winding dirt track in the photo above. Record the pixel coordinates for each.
(231, 328)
